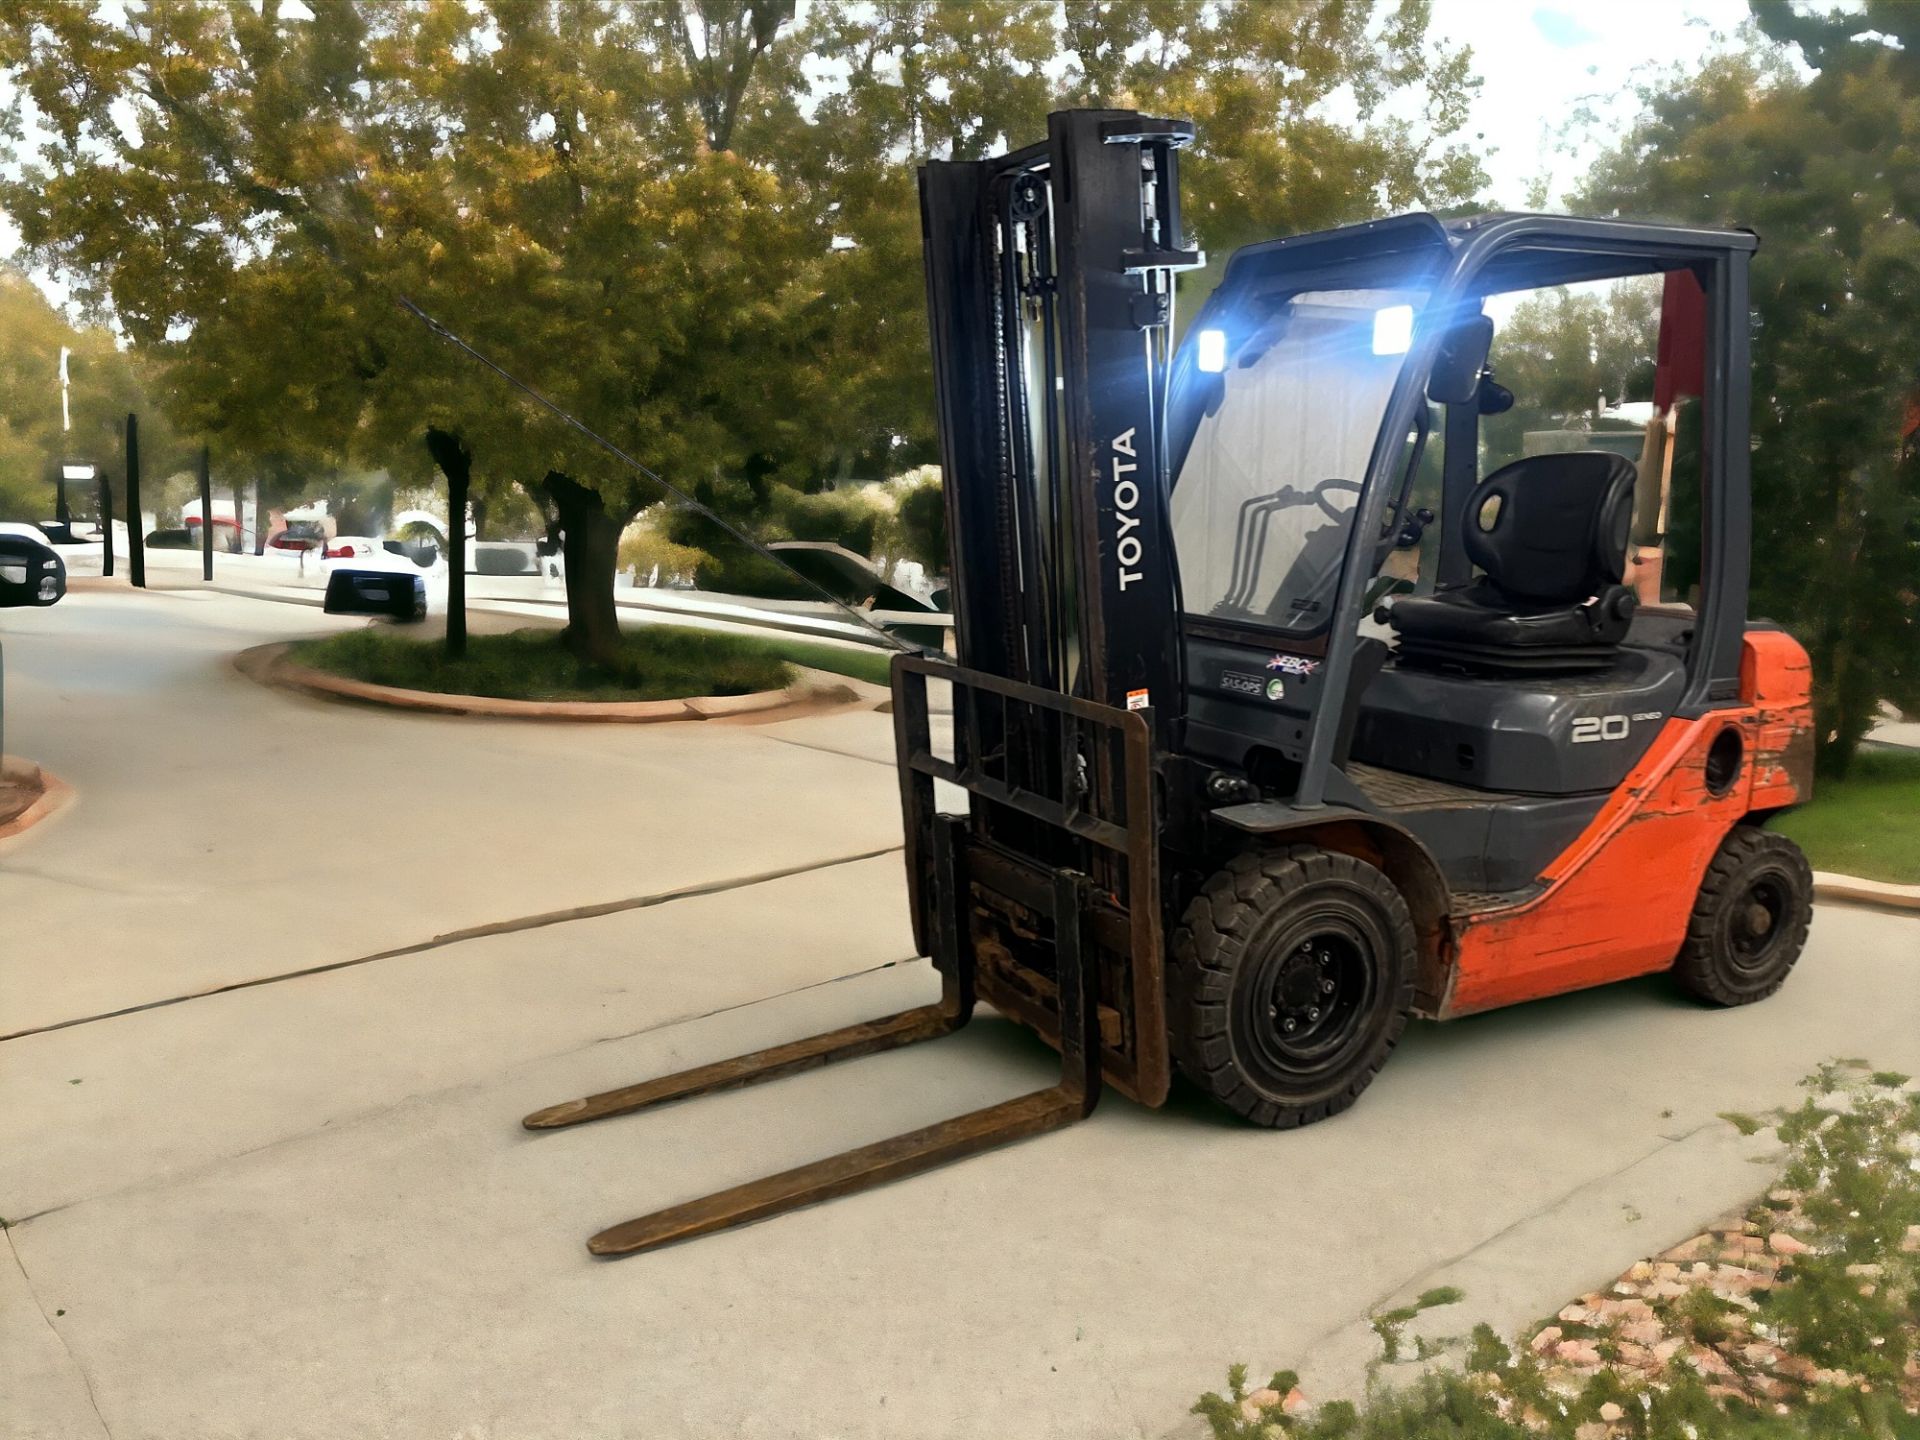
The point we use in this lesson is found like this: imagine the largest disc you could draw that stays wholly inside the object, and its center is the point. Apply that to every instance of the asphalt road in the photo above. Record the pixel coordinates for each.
(305, 1208)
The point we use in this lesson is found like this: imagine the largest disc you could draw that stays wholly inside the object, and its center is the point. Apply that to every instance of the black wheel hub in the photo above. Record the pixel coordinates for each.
(1309, 995)
(1755, 927)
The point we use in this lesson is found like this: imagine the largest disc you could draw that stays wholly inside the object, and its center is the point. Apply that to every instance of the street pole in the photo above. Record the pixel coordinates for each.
(136, 542)
(106, 525)
(60, 511)
(206, 515)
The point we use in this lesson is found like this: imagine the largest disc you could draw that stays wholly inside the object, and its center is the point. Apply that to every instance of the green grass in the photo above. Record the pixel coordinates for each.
(873, 666)
(1867, 824)
(657, 663)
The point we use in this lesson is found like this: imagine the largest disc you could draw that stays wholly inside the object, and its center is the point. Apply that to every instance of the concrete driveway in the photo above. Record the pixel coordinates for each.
(305, 1208)
(225, 832)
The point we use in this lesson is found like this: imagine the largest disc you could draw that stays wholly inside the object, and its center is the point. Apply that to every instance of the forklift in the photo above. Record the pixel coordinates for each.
(1231, 809)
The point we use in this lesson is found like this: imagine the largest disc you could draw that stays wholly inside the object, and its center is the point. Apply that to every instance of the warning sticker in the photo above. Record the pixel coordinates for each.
(1137, 700)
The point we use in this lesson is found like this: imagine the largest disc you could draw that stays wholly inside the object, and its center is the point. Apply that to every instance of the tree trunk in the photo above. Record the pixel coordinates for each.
(456, 463)
(590, 544)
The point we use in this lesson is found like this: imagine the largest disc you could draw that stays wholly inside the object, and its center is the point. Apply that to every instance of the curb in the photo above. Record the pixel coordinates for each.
(1854, 890)
(269, 665)
(55, 795)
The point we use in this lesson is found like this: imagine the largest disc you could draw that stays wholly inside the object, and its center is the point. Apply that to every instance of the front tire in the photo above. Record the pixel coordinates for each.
(1292, 974)
(1750, 921)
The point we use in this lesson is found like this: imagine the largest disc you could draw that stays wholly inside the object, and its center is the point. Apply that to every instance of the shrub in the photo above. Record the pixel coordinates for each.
(922, 522)
(851, 518)
(646, 545)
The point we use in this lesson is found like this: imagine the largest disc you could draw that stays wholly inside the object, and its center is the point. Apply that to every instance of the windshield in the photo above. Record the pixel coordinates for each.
(1264, 496)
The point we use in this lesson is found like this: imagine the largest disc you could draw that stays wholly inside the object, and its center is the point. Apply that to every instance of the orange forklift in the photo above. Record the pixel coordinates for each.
(1231, 809)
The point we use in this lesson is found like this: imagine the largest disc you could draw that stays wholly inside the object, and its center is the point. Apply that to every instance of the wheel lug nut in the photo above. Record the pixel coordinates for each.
(1289, 1024)
(1326, 987)
(1313, 1014)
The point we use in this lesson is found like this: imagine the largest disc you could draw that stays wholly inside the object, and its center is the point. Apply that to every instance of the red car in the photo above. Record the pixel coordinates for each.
(300, 535)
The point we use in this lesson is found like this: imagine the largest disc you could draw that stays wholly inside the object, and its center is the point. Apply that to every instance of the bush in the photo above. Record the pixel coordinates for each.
(850, 518)
(646, 545)
(656, 663)
(858, 520)
(922, 523)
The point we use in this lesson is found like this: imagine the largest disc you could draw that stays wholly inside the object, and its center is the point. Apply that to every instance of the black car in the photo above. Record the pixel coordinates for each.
(30, 573)
(62, 532)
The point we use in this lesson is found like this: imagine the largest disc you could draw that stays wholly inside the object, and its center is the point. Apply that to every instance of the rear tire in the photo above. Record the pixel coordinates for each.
(1292, 977)
(1750, 921)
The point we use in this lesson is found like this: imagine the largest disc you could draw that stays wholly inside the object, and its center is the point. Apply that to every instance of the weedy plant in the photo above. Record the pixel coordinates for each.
(1827, 1347)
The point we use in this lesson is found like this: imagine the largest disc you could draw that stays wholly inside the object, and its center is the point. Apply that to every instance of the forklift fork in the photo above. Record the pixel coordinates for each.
(1073, 1098)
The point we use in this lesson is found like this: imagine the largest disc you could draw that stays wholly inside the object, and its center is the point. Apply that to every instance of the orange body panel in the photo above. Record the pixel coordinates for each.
(1617, 900)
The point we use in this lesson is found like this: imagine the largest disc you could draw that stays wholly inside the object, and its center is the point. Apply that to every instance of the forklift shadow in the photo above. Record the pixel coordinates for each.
(1433, 1055)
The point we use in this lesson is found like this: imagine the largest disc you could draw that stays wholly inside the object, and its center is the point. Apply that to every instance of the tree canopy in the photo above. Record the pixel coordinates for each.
(694, 225)
(1822, 169)
(106, 383)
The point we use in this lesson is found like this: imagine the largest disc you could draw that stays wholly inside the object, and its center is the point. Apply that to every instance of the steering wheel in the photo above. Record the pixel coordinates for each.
(1319, 496)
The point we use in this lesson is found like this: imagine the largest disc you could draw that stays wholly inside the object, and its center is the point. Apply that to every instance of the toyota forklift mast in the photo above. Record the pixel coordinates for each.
(1050, 290)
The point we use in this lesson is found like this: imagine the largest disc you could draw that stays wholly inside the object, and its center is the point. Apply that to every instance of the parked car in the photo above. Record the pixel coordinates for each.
(423, 553)
(347, 547)
(31, 573)
(70, 532)
(172, 540)
(399, 594)
(300, 535)
(25, 530)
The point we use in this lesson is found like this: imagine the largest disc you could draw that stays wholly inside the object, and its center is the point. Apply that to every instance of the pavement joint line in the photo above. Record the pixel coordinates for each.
(1440, 1268)
(829, 750)
(338, 1124)
(86, 1380)
(748, 1004)
(515, 926)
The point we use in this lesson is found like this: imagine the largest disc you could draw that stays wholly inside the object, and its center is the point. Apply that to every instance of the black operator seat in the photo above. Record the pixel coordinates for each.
(1550, 531)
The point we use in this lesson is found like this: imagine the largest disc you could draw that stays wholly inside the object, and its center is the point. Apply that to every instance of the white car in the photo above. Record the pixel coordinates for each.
(351, 547)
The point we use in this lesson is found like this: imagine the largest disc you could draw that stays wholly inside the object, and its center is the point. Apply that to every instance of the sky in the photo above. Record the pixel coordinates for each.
(1537, 62)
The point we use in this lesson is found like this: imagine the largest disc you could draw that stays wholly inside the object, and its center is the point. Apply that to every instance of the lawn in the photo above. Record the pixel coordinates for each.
(873, 666)
(1867, 824)
(658, 662)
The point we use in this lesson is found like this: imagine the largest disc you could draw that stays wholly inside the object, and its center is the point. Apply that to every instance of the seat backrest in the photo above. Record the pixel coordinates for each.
(1559, 532)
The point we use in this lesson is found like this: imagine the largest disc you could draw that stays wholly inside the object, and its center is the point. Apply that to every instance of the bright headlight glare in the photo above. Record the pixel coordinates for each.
(1393, 330)
(1212, 353)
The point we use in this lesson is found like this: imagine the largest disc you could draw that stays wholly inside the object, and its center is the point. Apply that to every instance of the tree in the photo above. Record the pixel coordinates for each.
(916, 80)
(1821, 169)
(106, 383)
(251, 194)
(653, 212)
(1565, 353)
